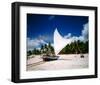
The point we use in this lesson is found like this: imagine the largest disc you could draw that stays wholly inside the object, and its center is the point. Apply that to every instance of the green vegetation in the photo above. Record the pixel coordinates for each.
(73, 48)
(45, 49)
(29, 53)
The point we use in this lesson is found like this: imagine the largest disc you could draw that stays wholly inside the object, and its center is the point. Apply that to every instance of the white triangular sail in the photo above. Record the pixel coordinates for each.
(59, 42)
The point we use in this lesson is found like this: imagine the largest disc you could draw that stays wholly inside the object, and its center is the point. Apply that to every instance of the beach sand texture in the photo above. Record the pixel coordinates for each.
(65, 61)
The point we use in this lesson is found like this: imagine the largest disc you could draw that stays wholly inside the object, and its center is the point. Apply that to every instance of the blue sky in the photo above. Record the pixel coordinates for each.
(40, 28)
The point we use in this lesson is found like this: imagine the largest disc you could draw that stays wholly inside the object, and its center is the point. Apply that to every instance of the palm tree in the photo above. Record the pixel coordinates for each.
(51, 48)
(42, 49)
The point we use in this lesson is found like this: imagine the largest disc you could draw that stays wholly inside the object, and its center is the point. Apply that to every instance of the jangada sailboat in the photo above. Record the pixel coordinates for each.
(59, 43)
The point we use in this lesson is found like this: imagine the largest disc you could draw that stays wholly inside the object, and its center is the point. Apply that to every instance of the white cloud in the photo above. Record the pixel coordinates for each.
(83, 37)
(85, 32)
(34, 43)
(51, 17)
(68, 36)
(52, 44)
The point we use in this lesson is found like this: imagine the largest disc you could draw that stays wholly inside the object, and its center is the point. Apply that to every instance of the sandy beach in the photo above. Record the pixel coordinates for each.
(69, 61)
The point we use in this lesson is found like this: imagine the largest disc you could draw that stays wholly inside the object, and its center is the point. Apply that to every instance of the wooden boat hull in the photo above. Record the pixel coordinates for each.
(50, 58)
